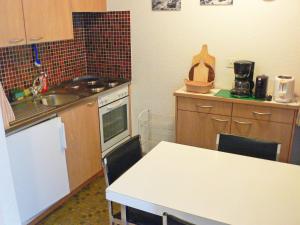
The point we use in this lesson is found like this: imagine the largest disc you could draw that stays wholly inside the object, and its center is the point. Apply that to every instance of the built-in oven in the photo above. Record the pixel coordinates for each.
(114, 118)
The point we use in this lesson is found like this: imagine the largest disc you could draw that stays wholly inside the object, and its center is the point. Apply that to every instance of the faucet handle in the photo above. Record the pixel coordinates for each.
(34, 91)
(36, 85)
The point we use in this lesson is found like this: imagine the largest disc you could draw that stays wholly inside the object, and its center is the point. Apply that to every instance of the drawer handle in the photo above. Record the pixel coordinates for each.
(243, 123)
(14, 41)
(262, 114)
(204, 106)
(220, 120)
(91, 104)
(36, 39)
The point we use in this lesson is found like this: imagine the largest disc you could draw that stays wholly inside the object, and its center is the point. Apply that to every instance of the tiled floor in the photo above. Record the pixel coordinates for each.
(88, 207)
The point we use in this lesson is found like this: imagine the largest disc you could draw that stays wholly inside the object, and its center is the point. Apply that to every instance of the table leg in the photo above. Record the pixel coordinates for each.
(123, 215)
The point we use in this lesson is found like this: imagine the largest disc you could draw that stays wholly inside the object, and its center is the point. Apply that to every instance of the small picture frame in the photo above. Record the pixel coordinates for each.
(216, 2)
(166, 5)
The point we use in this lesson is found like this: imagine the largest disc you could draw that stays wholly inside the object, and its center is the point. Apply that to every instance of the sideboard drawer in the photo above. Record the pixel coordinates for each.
(205, 106)
(265, 130)
(264, 113)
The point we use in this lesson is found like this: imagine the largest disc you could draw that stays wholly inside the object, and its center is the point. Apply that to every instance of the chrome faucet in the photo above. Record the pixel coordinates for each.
(37, 85)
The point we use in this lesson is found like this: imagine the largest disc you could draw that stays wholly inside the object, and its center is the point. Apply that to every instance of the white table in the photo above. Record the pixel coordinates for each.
(211, 187)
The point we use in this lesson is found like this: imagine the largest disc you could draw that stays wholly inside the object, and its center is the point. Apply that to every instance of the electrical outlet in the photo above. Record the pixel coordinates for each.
(230, 62)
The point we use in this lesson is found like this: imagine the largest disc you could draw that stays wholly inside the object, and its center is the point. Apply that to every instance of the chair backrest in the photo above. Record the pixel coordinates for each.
(120, 159)
(173, 220)
(248, 147)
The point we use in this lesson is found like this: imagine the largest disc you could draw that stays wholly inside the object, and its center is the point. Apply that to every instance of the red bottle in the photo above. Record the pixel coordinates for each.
(44, 84)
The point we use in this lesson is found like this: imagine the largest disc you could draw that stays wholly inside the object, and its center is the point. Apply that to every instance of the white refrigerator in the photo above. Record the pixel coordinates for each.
(38, 164)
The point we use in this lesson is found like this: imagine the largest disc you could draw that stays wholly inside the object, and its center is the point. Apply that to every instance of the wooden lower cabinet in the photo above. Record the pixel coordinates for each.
(265, 130)
(200, 129)
(83, 153)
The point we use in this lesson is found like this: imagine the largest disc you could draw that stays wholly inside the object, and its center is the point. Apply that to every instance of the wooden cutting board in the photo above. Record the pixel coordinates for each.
(204, 56)
(201, 72)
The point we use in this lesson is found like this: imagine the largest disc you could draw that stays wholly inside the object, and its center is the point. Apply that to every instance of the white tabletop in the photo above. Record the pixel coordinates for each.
(198, 183)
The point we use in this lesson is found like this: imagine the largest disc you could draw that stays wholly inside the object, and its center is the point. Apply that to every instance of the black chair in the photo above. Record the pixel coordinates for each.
(117, 162)
(248, 147)
(173, 220)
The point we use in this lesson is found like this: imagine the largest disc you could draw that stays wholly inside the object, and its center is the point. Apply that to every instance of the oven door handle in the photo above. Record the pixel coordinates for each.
(115, 105)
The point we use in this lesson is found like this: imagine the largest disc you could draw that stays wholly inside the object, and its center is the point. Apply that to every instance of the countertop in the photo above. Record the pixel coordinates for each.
(211, 96)
(46, 112)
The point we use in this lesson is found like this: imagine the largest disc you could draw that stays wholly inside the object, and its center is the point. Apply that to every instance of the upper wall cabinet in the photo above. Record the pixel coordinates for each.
(12, 30)
(47, 20)
(88, 5)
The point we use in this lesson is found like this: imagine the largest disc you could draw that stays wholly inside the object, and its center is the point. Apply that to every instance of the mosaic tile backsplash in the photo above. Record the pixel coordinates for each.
(108, 44)
(101, 47)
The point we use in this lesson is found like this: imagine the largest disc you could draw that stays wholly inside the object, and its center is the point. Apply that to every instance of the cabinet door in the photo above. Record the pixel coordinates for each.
(83, 142)
(200, 129)
(47, 20)
(12, 31)
(265, 130)
(88, 5)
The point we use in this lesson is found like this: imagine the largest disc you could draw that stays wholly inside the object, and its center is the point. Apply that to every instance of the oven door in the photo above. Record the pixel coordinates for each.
(114, 123)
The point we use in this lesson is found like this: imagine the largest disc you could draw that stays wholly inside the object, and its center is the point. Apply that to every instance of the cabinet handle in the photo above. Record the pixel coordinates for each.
(220, 120)
(262, 114)
(14, 41)
(243, 123)
(36, 39)
(204, 106)
(90, 104)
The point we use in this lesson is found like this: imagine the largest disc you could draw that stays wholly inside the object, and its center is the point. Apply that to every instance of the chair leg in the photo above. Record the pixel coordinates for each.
(165, 219)
(110, 212)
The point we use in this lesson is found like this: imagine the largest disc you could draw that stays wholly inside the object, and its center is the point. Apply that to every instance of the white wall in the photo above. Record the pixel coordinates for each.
(163, 44)
(9, 214)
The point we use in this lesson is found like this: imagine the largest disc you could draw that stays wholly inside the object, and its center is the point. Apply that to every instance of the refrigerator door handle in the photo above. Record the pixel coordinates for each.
(62, 135)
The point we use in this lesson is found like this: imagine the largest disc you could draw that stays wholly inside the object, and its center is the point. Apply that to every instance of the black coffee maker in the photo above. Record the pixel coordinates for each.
(243, 83)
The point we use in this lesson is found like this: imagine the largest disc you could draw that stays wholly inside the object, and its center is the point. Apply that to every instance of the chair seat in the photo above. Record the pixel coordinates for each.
(139, 217)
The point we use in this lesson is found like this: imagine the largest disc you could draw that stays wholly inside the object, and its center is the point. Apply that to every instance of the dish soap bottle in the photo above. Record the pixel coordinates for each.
(44, 83)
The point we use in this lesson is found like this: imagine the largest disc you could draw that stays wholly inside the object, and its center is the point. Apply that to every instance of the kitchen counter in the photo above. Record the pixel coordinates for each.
(29, 112)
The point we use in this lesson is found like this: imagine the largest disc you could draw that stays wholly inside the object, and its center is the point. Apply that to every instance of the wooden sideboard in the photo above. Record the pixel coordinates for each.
(200, 117)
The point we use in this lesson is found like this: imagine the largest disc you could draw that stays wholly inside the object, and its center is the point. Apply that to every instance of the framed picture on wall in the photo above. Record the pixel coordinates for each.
(216, 2)
(166, 5)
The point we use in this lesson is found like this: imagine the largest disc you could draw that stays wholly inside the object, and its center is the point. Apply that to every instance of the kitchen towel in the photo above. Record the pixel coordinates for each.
(7, 112)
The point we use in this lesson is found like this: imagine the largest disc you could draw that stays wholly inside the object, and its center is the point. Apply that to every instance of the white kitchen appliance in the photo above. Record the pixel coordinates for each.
(114, 118)
(38, 164)
(284, 89)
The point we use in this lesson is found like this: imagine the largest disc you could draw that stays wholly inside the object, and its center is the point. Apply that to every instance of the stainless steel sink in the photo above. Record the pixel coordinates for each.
(58, 99)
